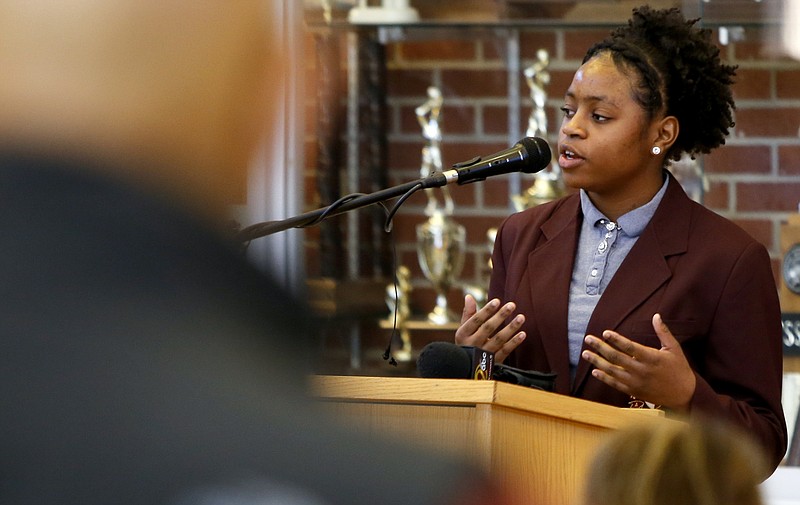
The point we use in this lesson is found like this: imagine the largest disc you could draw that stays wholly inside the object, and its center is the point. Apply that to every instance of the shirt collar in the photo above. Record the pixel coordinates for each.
(632, 223)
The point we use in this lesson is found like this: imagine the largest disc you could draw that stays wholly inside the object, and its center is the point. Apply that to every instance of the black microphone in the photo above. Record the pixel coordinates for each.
(529, 155)
(445, 360)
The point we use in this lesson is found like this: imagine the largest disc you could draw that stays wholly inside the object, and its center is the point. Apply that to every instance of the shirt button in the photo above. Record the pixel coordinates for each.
(594, 272)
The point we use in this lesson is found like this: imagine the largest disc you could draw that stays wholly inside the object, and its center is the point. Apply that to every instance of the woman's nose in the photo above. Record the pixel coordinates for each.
(571, 126)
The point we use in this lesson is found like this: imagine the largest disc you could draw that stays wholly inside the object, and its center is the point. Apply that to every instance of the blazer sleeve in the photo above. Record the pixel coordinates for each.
(740, 375)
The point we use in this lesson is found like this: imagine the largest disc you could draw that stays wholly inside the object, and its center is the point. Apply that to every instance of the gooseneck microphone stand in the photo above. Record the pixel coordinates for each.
(344, 204)
(347, 203)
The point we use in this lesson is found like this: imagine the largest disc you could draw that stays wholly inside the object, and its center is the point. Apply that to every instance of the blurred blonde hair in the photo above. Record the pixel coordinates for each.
(173, 93)
(701, 462)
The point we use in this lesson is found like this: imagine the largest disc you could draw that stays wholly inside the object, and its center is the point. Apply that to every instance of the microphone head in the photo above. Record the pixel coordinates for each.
(539, 154)
(444, 360)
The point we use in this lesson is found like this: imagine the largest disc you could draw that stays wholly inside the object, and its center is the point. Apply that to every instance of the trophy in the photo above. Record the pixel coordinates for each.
(390, 11)
(428, 116)
(441, 242)
(690, 176)
(538, 78)
(441, 247)
(547, 184)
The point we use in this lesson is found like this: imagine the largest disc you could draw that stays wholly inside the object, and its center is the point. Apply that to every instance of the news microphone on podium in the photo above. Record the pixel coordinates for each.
(445, 360)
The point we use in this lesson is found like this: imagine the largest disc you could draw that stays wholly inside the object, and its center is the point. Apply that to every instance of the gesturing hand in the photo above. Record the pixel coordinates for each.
(660, 376)
(479, 328)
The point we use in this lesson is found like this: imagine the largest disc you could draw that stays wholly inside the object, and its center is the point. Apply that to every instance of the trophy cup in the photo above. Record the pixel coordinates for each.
(441, 247)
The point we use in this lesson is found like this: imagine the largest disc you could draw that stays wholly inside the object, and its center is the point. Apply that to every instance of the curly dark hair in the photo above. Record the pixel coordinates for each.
(679, 72)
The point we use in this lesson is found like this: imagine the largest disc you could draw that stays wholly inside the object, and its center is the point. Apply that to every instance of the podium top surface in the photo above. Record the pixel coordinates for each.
(475, 392)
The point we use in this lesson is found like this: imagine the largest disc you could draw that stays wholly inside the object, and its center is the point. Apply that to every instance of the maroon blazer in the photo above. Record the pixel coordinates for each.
(710, 281)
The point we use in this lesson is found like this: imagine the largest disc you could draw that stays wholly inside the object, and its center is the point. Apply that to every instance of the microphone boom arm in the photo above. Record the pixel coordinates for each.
(356, 202)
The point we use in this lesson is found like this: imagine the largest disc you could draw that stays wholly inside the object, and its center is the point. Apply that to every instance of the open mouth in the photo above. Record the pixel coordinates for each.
(568, 158)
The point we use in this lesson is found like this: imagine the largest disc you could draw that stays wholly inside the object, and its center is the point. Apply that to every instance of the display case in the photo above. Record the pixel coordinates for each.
(367, 83)
(368, 80)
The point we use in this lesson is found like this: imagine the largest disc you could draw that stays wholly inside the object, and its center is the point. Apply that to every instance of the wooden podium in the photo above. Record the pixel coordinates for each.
(534, 444)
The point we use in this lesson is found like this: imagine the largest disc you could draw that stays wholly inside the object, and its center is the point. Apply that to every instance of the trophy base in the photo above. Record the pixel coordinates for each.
(403, 355)
(382, 15)
(442, 316)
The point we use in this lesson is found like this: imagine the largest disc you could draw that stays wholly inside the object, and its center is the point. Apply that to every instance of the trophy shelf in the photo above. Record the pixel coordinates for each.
(346, 297)
(418, 323)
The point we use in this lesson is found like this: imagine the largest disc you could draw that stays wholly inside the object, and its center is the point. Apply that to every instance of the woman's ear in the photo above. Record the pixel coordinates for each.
(666, 132)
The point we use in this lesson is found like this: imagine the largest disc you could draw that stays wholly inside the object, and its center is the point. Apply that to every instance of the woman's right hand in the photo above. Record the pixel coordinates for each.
(484, 328)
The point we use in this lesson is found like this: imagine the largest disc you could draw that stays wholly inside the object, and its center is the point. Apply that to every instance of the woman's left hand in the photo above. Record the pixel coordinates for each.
(659, 376)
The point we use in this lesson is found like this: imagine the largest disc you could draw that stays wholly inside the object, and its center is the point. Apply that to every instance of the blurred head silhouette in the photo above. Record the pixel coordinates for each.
(699, 463)
(171, 93)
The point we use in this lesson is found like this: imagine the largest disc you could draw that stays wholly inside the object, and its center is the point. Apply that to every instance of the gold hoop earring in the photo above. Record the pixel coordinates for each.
(655, 150)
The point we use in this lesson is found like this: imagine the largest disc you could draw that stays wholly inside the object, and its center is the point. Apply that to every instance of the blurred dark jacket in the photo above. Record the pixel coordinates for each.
(143, 361)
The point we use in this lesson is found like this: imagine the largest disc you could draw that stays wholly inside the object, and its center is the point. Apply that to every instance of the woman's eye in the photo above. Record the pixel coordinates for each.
(568, 113)
(599, 118)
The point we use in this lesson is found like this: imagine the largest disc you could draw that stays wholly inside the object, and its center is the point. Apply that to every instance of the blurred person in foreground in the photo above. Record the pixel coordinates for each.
(699, 463)
(138, 359)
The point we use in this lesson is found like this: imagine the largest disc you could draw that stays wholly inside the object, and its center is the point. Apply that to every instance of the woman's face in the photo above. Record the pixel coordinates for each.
(606, 138)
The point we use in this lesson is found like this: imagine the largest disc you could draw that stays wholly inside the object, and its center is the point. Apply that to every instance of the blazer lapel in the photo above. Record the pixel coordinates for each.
(645, 269)
(549, 271)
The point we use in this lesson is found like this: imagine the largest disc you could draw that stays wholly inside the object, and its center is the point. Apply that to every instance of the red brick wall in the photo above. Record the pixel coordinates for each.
(754, 180)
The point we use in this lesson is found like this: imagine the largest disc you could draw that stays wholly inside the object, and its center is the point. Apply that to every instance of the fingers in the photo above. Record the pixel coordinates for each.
(504, 345)
(484, 322)
(661, 376)
(617, 361)
(617, 349)
(611, 366)
(486, 328)
(470, 308)
(616, 378)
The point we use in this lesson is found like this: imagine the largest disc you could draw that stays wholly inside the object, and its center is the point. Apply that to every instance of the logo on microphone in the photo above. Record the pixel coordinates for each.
(484, 369)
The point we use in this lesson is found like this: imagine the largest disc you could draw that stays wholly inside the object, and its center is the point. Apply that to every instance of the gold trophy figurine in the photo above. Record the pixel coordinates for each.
(538, 78)
(429, 118)
(547, 184)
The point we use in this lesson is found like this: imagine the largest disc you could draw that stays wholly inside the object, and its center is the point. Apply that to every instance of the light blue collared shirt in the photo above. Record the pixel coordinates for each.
(602, 247)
